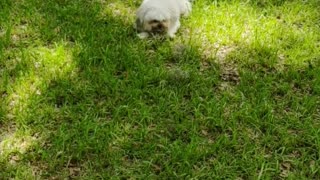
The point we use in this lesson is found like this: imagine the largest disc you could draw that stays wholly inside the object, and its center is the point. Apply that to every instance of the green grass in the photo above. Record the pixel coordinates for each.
(236, 95)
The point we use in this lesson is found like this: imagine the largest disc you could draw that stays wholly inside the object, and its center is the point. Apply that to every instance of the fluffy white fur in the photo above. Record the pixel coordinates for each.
(161, 16)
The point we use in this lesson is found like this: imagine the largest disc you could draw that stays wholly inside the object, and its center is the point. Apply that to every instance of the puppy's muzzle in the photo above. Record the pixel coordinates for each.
(160, 28)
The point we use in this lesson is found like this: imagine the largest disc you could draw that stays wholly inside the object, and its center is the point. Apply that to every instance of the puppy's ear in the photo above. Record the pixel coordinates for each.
(138, 25)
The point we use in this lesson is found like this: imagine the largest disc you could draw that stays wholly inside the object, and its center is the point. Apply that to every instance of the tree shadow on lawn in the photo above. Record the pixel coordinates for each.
(88, 110)
(129, 108)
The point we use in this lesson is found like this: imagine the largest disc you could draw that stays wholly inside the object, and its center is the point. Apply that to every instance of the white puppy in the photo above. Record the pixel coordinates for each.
(161, 17)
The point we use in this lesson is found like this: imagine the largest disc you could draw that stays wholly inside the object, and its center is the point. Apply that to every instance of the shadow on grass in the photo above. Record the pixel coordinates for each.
(93, 118)
(125, 108)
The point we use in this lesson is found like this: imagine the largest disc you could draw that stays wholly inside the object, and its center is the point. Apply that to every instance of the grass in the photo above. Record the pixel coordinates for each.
(235, 96)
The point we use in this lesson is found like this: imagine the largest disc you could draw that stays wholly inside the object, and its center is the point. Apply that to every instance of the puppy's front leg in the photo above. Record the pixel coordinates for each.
(143, 35)
(173, 28)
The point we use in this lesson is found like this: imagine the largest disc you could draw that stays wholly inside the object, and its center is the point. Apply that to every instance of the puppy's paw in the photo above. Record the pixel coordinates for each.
(143, 35)
(171, 36)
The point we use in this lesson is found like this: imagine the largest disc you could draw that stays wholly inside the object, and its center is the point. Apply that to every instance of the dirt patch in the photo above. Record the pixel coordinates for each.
(223, 52)
(229, 73)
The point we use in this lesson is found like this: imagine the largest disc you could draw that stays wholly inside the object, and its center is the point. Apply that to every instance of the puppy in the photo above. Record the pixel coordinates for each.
(160, 17)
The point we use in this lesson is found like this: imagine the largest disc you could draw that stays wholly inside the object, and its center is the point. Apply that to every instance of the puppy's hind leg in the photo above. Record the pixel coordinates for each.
(173, 28)
(187, 8)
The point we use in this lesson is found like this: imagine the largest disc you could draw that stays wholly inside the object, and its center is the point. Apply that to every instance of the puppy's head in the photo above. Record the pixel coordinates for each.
(156, 26)
(152, 21)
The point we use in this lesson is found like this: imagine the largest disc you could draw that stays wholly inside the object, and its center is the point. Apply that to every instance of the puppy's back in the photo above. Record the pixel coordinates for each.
(175, 7)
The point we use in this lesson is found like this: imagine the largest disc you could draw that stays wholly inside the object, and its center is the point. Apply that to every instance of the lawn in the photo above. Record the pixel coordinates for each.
(236, 95)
